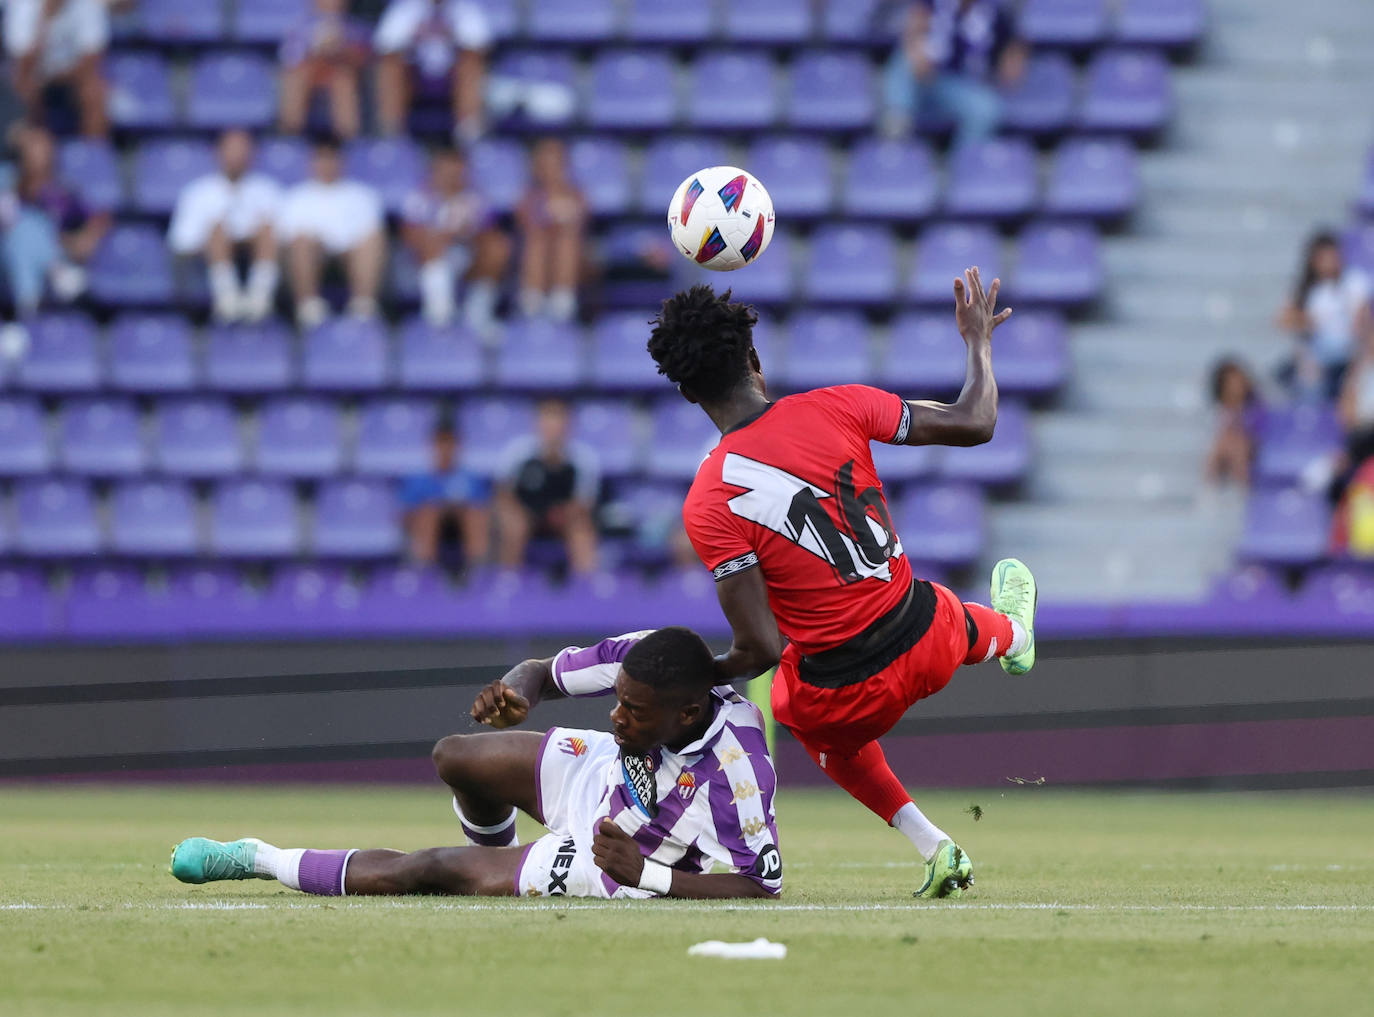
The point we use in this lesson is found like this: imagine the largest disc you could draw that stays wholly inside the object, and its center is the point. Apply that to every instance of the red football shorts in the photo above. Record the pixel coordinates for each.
(843, 720)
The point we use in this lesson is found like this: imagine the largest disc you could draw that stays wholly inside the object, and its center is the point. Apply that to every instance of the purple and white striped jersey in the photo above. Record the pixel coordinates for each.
(715, 796)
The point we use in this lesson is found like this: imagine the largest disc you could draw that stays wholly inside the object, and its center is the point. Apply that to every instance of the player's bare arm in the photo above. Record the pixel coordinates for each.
(618, 856)
(507, 701)
(971, 418)
(755, 644)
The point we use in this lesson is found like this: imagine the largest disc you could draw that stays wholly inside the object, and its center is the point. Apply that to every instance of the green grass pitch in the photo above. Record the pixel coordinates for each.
(1086, 903)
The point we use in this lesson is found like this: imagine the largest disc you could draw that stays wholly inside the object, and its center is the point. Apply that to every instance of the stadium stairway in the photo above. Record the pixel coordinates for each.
(1115, 508)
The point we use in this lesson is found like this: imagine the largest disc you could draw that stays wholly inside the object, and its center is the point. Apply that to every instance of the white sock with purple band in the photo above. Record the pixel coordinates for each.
(500, 835)
(319, 872)
(912, 822)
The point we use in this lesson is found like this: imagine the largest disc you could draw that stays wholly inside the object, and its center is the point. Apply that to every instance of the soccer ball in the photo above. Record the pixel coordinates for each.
(721, 218)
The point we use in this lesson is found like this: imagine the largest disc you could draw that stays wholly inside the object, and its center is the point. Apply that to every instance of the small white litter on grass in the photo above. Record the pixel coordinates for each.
(759, 949)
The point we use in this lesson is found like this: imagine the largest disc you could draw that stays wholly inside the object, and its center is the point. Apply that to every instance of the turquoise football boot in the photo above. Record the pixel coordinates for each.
(1014, 594)
(948, 873)
(201, 860)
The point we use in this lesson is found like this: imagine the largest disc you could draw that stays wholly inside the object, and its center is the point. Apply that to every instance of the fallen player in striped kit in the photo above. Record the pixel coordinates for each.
(684, 784)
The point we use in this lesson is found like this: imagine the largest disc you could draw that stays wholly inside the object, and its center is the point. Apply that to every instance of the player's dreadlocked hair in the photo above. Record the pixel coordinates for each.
(674, 659)
(701, 341)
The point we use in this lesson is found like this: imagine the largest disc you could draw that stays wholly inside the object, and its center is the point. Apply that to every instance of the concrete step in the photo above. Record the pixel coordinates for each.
(1165, 480)
(1072, 435)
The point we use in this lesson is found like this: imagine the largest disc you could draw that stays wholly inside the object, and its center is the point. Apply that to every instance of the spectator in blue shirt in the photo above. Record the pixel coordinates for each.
(449, 497)
(950, 59)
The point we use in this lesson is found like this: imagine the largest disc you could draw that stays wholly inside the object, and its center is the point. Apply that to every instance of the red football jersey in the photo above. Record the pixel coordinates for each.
(794, 492)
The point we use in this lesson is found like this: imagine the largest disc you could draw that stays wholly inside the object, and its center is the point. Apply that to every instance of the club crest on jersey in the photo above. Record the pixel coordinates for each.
(686, 785)
(573, 746)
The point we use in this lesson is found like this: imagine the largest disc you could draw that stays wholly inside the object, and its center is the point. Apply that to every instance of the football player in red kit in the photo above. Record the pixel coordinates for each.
(789, 514)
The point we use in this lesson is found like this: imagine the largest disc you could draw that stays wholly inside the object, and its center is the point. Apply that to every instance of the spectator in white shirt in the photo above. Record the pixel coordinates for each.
(452, 232)
(429, 44)
(1328, 310)
(222, 215)
(329, 217)
(60, 41)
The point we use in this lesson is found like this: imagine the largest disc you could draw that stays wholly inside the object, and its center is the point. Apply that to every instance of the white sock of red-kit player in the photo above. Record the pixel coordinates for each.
(912, 822)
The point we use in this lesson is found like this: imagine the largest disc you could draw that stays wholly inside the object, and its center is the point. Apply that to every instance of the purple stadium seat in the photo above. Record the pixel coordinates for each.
(1093, 177)
(769, 338)
(299, 436)
(851, 264)
(1366, 199)
(890, 179)
(266, 21)
(768, 281)
(304, 600)
(153, 518)
(925, 355)
(499, 170)
(151, 353)
(601, 169)
(114, 603)
(1338, 599)
(681, 437)
(392, 166)
(1004, 460)
(859, 21)
(1292, 437)
(356, 519)
(776, 22)
(619, 356)
(1285, 527)
(609, 426)
(62, 355)
(232, 90)
(249, 358)
(284, 159)
(131, 268)
(253, 519)
(943, 251)
(91, 168)
(1058, 264)
(667, 162)
(394, 437)
(487, 424)
(831, 91)
(796, 172)
(572, 20)
(941, 524)
(503, 17)
(162, 167)
(683, 21)
(1077, 23)
(1032, 352)
(1358, 246)
(540, 87)
(828, 348)
(995, 179)
(179, 21)
(24, 446)
(541, 354)
(54, 518)
(439, 358)
(101, 437)
(347, 354)
(632, 89)
(27, 608)
(1126, 90)
(732, 91)
(407, 599)
(1042, 101)
(898, 464)
(198, 438)
(140, 92)
(1170, 23)
(214, 601)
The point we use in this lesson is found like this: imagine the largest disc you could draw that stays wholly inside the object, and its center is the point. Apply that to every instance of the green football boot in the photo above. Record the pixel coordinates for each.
(201, 860)
(1014, 594)
(948, 874)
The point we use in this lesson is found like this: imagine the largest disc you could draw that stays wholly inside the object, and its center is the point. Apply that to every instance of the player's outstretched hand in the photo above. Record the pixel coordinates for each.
(498, 705)
(975, 311)
(617, 854)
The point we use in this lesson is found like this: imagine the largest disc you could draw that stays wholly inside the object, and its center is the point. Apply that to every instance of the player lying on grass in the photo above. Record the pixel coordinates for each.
(685, 782)
(789, 514)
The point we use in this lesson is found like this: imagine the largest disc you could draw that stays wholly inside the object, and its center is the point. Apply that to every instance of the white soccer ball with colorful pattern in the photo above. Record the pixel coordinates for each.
(721, 218)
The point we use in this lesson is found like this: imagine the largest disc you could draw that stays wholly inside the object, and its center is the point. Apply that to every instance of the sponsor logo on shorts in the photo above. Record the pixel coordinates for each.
(769, 864)
(686, 784)
(562, 865)
(574, 746)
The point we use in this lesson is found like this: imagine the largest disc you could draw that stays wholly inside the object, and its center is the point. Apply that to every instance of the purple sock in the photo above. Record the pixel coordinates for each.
(500, 835)
(321, 872)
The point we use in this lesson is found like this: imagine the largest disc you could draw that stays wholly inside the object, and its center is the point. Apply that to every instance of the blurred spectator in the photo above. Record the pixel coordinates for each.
(452, 233)
(552, 219)
(324, 52)
(449, 495)
(60, 41)
(222, 215)
(1329, 307)
(950, 59)
(327, 216)
(49, 233)
(432, 45)
(1239, 415)
(548, 486)
(1356, 410)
